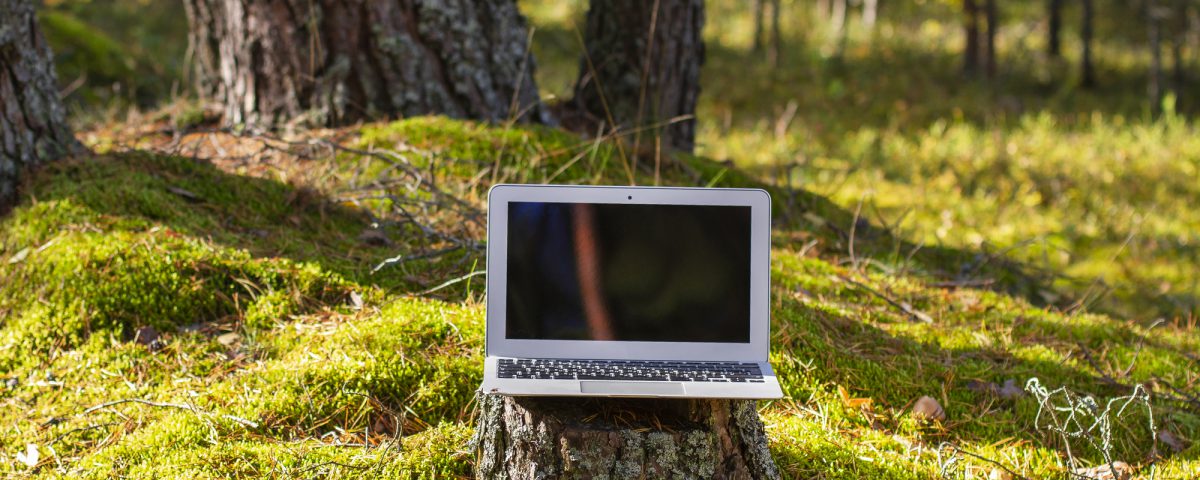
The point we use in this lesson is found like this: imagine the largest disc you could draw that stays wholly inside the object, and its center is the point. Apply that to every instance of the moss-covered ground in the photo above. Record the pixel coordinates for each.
(201, 305)
(278, 349)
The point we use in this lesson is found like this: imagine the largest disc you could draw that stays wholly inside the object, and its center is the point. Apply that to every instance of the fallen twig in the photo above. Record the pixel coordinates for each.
(418, 256)
(903, 306)
(81, 429)
(1184, 396)
(454, 281)
(1015, 475)
(181, 406)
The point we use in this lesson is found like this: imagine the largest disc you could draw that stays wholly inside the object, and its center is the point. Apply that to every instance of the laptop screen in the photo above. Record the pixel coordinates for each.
(627, 272)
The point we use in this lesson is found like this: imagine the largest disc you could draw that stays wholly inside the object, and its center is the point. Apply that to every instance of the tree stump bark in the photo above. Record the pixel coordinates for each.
(560, 437)
(33, 127)
(336, 62)
(641, 68)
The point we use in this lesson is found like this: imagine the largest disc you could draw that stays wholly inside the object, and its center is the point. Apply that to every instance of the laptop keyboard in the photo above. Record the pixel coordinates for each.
(651, 371)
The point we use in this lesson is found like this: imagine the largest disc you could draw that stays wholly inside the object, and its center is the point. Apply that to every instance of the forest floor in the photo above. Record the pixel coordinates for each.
(191, 303)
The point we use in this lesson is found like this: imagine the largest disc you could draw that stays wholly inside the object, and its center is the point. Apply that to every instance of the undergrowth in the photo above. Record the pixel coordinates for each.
(276, 351)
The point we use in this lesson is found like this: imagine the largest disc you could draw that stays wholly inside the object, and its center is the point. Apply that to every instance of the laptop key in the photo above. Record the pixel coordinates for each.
(636, 370)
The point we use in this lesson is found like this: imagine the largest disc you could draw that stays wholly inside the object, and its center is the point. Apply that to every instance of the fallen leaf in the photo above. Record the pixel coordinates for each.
(983, 388)
(20, 256)
(1172, 441)
(30, 456)
(228, 339)
(1010, 390)
(149, 337)
(852, 402)
(1117, 471)
(374, 237)
(929, 409)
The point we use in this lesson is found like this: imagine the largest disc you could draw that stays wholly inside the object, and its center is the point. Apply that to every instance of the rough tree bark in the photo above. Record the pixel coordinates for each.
(641, 67)
(333, 62)
(530, 437)
(33, 126)
(1053, 39)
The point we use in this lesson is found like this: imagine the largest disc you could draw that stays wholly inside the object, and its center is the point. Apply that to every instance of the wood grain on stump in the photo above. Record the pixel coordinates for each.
(561, 437)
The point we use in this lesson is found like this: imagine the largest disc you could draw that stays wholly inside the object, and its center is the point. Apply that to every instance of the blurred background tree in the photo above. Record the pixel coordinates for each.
(114, 55)
(848, 98)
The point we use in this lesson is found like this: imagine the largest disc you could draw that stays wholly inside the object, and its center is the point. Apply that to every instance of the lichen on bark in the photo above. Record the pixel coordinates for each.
(270, 63)
(598, 438)
(33, 127)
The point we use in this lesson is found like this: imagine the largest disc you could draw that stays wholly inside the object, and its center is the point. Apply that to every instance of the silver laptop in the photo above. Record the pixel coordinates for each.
(628, 292)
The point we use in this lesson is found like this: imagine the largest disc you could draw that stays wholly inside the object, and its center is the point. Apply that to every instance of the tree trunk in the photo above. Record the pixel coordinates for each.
(837, 19)
(776, 49)
(531, 437)
(971, 31)
(1154, 18)
(641, 67)
(870, 13)
(1053, 40)
(993, 25)
(1089, 74)
(33, 127)
(1178, 69)
(758, 6)
(335, 62)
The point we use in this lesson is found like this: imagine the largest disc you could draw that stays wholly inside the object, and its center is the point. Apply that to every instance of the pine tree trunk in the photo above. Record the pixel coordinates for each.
(531, 437)
(335, 62)
(1053, 39)
(757, 8)
(1154, 17)
(641, 67)
(993, 26)
(776, 50)
(870, 13)
(1178, 70)
(837, 19)
(33, 126)
(971, 32)
(1089, 73)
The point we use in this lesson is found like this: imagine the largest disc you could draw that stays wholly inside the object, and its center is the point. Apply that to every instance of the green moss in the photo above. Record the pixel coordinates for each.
(99, 248)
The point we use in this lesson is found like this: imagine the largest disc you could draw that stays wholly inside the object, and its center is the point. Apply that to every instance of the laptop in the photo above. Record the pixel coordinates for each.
(628, 292)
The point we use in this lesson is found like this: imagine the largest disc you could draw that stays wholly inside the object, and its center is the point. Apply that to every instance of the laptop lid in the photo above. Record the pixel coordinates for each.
(641, 273)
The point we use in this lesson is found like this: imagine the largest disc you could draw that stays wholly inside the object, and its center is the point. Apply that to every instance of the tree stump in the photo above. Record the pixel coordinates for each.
(577, 437)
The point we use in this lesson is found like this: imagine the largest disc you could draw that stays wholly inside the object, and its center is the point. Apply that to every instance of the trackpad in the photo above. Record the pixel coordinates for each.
(630, 388)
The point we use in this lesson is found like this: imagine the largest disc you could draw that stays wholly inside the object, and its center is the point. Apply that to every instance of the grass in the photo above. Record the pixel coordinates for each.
(1085, 185)
(260, 335)
(1041, 227)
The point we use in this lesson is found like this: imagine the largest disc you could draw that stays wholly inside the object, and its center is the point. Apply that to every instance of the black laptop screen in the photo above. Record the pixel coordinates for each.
(651, 273)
